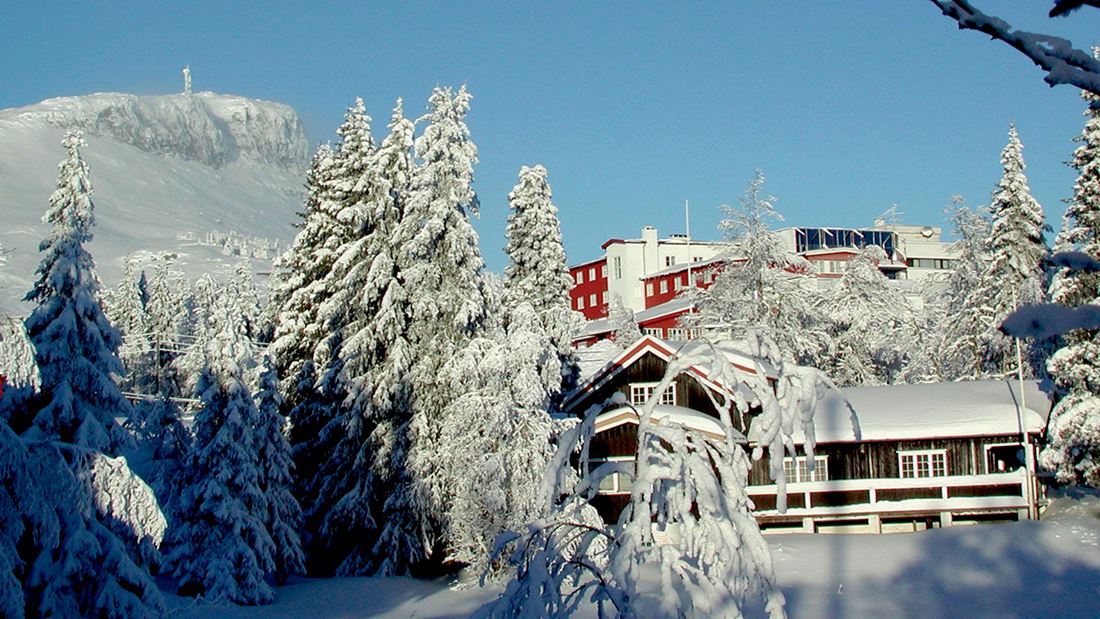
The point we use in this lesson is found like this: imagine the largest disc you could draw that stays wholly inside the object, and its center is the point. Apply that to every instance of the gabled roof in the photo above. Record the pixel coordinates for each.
(928, 411)
(664, 413)
(664, 350)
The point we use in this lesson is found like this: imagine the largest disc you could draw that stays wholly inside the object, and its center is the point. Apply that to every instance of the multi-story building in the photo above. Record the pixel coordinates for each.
(648, 274)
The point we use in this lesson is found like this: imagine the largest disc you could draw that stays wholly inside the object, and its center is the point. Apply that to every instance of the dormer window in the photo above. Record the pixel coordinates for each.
(641, 392)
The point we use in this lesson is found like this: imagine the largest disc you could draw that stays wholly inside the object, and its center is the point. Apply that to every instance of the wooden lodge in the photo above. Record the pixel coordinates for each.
(910, 457)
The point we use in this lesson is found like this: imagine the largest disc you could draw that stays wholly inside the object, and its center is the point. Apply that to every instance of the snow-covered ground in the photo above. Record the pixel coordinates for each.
(1049, 568)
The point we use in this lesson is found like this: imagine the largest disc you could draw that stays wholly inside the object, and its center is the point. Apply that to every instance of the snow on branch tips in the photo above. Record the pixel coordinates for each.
(1063, 63)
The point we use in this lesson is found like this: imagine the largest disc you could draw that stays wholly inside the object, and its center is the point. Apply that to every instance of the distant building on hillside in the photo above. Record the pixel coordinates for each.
(648, 274)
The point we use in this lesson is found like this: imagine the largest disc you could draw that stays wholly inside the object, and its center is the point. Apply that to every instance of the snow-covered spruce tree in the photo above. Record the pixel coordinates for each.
(319, 431)
(371, 528)
(219, 546)
(1072, 451)
(283, 518)
(75, 345)
(762, 286)
(447, 297)
(243, 287)
(870, 324)
(126, 309)
(500, 428)
(716, 561)
(537, 272)
(620, 318)
(1014, 275)
(961, 329)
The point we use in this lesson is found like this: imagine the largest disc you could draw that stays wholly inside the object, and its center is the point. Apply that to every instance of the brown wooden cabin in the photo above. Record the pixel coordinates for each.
(923, 455)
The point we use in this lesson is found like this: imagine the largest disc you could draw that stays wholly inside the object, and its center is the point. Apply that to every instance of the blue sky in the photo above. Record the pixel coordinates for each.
(848, 107)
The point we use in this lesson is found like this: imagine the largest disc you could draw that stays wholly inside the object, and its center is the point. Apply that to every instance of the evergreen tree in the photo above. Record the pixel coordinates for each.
(375, 361)
(1072, 451)
(537, 272)
(1014, 275)
(870, 324)
(273, 464)
(324, 441)
(219, 546)
(500, 428)
(762, 288)
(620, 319)
(75, 345)
(961, 328)
(448, 299)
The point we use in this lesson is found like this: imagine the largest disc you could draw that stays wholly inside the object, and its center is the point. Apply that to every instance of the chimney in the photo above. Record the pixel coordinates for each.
(650, 252)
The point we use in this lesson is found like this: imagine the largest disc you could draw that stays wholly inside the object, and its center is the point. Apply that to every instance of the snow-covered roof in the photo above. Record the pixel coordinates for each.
(675, 306)
(683, 266)
(664, 414)
(931, 410)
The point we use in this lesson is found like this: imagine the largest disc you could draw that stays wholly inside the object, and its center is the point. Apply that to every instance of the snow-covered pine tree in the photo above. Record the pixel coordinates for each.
(500, 428)
(283, 517)
(762, 287)
(537, 272)
(219, 547)
(1014, 275)
(75, 345)
(960, 329)
(323, 439)
(1072, 451)
(447, 296)
(371, 525)
(870, 324)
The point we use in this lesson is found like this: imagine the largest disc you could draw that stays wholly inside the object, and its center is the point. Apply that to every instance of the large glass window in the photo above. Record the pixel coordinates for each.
(617, 482)
(798, 469)
(924, 463)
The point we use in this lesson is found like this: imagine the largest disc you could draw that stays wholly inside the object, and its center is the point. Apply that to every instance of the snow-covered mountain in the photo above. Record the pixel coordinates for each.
(176, 173)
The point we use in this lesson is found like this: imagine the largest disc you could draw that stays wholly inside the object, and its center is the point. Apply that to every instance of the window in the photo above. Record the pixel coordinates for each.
(603, 297)
(676, 284)
(664, 286)
(641, 392)
(649, 289)
(580, 277)
(617, 482)
(677, 333)
(592, 300)
(618, 267)
(1004, 458)
(652, 331)
(603, 271)
(591, 274)
(670, 261)
(931, 263)
(925, 463)
(798, 470)
(580, 302)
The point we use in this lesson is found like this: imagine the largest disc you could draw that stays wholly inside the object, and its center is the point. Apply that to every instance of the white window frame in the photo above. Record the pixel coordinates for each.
(603, 270)
(641, 392)
(591, 274)
(921, 463)
(592, 300)
(677, 333)
(618, 267)
(580, 302)
(649, 289)
(616, 486)
(657, 331)
(580, 276)
(796, 469)
(987, 448)
(664, 286)
(603, 297)
(670, 261)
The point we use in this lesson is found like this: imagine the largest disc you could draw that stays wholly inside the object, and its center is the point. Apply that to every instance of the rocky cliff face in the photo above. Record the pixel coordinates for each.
(205, 127)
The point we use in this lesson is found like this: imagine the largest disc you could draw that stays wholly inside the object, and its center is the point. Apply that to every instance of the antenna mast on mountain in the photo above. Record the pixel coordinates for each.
(187, 80)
